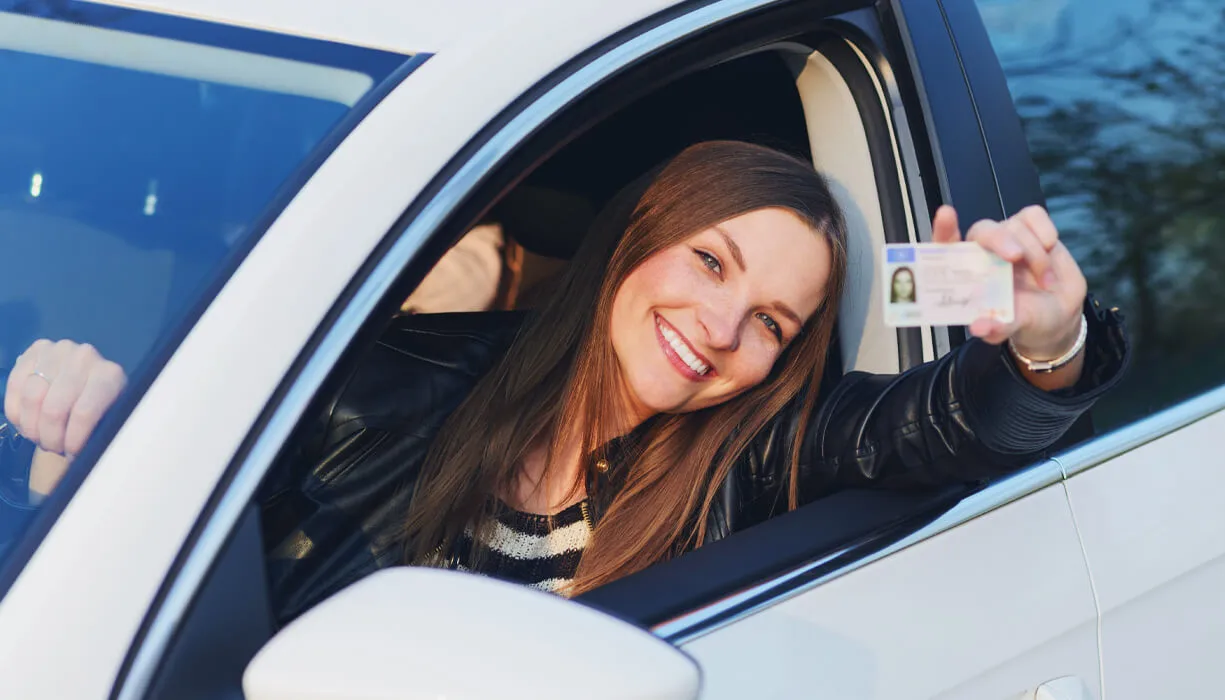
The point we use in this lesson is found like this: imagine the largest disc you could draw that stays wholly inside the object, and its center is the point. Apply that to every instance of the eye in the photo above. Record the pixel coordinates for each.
(771, 325)
(710, 262)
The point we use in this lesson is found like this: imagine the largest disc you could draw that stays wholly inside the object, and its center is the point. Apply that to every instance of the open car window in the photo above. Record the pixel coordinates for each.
(514, 242)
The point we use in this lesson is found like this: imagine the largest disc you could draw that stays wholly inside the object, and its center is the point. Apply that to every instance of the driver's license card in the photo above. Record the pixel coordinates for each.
(945, 284)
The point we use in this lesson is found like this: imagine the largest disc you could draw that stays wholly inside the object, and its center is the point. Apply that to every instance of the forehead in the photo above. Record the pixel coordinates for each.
(783, 256)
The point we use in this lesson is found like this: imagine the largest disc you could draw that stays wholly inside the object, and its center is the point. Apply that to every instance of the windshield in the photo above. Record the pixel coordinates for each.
(140, 157)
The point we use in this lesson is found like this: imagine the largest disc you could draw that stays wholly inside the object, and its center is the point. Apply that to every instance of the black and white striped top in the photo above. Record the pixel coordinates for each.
(528, 548)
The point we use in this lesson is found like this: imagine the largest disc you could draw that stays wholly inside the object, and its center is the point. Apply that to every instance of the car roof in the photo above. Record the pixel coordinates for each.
(403, 26)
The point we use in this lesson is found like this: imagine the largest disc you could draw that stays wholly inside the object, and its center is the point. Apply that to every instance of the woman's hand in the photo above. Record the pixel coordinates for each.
(1049, 288)
(57, 393)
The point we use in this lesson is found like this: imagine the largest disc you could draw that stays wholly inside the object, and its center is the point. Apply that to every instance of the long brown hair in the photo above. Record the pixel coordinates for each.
(561, 370)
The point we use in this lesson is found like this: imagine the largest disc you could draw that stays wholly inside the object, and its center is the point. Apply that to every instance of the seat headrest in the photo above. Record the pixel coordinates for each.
(545, 220)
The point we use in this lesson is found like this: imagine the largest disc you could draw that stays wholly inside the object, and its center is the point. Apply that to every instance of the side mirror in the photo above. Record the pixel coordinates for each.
(427, 634)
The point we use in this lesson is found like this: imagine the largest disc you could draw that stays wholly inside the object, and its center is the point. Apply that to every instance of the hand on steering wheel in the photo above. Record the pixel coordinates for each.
(57, 392)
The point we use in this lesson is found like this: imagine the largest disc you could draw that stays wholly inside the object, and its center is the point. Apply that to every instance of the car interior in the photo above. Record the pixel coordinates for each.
(788, 97)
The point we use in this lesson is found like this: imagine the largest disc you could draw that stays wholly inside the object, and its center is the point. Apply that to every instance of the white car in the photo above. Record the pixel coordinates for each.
(230, 197)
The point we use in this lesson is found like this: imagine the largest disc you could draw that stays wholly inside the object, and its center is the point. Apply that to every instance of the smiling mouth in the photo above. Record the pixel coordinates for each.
(683, 353)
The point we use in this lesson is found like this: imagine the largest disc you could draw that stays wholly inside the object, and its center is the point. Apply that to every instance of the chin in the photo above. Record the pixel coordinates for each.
(658, 393)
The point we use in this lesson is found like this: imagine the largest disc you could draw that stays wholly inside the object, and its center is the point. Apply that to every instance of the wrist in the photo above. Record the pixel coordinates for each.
(1051, 363)
(1051, 346)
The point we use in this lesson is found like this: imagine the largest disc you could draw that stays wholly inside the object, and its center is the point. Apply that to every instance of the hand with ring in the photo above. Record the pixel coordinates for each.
(57, 392)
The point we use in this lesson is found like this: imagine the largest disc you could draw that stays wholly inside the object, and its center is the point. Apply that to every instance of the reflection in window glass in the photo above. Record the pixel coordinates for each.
(1123, 104)
(135, 166)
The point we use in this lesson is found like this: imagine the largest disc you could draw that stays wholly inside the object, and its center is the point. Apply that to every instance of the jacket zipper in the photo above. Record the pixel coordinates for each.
(587, 516)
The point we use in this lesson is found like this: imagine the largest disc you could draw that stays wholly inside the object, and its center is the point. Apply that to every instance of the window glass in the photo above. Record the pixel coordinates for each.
(1123, 104)
(135, 167)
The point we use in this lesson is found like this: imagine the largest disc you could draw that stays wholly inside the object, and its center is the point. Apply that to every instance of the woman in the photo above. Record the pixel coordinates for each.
(902, 286)
(666, 395)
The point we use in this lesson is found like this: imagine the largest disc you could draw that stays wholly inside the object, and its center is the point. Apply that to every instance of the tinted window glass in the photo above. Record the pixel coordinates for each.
(1123, 104)
(136, 167)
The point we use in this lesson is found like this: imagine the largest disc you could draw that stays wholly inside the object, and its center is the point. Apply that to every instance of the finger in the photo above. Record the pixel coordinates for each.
(980, 327)
(58, 404)
(12, 392)
(1036, 257)
(1071, 286)
(101, 389)
(994, 237)
(46, 363)
(991, 331)
(14, 386)
(33, 390)
(1065, 266)
(1013, 242)
(1039, 221)
(944, 225)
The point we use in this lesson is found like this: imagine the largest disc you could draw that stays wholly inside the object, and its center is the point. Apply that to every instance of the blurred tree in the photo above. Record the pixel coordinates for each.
(1129, 137)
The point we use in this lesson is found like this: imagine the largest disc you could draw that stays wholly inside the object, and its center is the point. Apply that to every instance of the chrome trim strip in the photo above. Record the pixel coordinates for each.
(317, 368)
(736, 607)
(1129, 437)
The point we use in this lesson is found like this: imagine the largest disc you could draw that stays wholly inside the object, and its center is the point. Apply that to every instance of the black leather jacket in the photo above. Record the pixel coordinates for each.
(331, 507)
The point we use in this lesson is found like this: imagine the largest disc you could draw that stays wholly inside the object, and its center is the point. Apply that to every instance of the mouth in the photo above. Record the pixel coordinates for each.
(690, 363)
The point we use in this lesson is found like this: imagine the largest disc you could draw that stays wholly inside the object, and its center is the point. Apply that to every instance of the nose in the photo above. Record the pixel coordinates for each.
(721, 322)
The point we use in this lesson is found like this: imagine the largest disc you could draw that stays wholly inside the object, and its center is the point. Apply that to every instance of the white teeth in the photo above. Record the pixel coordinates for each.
(683, 350)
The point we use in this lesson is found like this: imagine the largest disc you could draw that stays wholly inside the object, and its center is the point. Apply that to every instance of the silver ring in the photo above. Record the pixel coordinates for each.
(38, 373)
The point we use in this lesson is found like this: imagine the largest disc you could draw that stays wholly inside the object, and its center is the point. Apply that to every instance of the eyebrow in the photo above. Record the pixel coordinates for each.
(780, 307)
(785, 310)
(731, 245)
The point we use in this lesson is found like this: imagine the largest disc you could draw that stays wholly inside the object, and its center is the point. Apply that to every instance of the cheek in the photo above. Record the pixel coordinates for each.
(666, 280)
(755, 362)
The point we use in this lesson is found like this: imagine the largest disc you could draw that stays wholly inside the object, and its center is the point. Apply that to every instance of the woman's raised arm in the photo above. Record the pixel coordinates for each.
(980, 411)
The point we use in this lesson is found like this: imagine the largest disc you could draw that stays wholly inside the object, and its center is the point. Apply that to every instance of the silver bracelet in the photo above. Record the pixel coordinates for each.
(1044, 366)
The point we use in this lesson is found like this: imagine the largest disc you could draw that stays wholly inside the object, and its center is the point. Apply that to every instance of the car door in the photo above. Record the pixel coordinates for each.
(1121, 109)
(988, 599)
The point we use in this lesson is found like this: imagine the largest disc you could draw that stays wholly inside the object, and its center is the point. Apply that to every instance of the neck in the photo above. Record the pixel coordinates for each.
(546, 487)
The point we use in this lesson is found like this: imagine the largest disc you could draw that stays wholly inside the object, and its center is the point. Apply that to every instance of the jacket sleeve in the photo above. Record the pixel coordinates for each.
(330, 507)
(966, 417)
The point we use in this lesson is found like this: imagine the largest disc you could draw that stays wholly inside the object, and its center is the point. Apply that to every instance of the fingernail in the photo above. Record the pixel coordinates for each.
(1011, 249)
(1048, 280)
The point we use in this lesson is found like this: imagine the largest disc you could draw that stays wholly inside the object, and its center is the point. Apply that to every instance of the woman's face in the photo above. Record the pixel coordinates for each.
(903, 285)
(702, 321)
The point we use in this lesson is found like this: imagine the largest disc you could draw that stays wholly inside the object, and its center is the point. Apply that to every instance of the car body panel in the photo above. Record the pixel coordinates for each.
(985, 611)
(462, 26)
(1153, 527)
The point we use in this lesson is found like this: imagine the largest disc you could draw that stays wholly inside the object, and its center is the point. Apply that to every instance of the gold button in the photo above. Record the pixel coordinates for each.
(601, 465)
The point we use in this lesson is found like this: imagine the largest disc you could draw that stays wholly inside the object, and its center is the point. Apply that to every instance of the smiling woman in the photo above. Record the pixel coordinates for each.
(647, 322)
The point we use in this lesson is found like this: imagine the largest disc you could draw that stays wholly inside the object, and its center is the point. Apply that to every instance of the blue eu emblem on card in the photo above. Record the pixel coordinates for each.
(901, 254)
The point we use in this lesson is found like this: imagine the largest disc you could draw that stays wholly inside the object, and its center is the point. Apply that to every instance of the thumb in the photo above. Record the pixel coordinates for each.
(944, 225)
